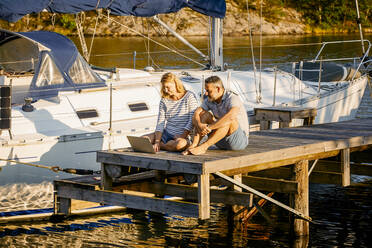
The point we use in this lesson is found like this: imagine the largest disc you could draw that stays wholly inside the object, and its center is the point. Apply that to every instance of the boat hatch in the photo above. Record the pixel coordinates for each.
(135, 107)
(87, 113)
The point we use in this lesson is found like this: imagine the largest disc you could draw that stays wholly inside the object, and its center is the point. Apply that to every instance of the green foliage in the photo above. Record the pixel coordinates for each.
(331, 13)
(66, 21)
(324, 14)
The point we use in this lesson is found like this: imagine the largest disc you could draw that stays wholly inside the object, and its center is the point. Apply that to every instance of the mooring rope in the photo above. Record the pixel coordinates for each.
(54, 168)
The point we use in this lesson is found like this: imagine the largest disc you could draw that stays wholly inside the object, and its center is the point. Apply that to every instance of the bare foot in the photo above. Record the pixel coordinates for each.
(198, 150)
(186, 152)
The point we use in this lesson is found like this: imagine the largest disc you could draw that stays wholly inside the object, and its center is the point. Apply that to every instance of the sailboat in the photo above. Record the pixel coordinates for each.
(58, 110)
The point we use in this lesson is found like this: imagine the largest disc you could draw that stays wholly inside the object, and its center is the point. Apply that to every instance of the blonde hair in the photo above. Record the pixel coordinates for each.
(170, 77)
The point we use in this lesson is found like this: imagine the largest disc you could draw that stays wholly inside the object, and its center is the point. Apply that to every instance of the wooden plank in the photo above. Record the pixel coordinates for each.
(188, 192)
(361, 169)
(335, 166)
(345, 167)
(286, 153)
(264, 166)
(272, 115)
(150, 162)
(270, 184)
(284, 124)
(300, 200)
(129, 200)
(204, 196)
(321, 177)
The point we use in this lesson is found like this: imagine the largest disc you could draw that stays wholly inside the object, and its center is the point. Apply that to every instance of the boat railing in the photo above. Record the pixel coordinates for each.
(362, 59)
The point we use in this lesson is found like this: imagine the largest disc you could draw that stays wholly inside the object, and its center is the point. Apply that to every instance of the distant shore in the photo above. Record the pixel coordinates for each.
(186, 22)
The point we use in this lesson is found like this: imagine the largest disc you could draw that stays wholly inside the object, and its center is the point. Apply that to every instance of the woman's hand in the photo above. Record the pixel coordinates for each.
(204, 129)
(156, 146)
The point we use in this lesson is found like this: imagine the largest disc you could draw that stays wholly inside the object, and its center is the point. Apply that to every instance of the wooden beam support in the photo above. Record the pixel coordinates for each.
(188, 192)
(106, 180)
(63, 205)
(300, 201)
(264, 125)
(204, 196)
(270, 184)
(74, 191)
(345, 166)
(322, 177)
(335, 166)
(278, 163)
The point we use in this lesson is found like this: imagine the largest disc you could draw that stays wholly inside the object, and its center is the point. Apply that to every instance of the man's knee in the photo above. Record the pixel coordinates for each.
(234, 125)
(180, 144)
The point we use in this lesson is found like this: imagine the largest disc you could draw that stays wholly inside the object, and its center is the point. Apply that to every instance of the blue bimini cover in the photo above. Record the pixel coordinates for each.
(53, 59)
(13, 10)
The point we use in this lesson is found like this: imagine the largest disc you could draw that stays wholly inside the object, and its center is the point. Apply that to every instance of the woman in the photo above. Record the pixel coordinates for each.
(176, 109)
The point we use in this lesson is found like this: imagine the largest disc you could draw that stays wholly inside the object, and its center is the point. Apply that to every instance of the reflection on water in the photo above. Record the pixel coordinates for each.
(343, 218)
(118, 52)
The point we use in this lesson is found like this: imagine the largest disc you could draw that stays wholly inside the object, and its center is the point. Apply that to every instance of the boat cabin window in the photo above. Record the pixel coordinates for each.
(49, 73)
(135, 107)
(81, 73)
(87, 113)
(17, 55)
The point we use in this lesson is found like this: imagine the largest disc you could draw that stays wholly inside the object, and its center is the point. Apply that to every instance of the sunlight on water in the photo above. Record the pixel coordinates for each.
(23, 196)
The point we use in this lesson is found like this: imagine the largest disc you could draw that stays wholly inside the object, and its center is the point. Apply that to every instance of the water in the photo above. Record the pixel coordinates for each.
(343, 215)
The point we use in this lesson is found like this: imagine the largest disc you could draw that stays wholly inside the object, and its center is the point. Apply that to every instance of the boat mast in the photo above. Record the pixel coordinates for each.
(360, 26)
(216, 44)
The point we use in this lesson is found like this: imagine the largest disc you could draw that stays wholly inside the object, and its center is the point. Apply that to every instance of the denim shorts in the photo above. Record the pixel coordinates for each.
(165, 137)
(238, 140)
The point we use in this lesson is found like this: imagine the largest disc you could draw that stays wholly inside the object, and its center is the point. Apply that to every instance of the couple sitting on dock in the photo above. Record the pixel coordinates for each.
(221, 117)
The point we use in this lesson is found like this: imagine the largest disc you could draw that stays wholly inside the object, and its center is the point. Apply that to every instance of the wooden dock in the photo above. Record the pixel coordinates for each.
(275, 161)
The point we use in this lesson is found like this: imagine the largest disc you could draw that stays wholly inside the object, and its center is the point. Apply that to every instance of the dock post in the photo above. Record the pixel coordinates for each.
(204, 196)
(236, 208)
(300, 200)
(345, 166)
(264, 125)
(106, 180)
(63, 205)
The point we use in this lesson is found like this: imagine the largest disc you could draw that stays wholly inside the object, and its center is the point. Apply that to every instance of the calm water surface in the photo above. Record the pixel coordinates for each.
(343, 215)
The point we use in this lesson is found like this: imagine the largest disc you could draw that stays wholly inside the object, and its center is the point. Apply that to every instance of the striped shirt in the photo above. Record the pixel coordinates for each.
(176, 116)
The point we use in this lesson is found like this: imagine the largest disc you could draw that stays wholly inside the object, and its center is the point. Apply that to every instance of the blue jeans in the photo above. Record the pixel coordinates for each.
(165, 137)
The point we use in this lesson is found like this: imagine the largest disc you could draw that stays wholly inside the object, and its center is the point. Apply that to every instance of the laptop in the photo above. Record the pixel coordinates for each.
(141, 144)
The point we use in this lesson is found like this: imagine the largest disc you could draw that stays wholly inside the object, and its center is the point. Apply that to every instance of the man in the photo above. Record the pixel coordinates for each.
(227, 128)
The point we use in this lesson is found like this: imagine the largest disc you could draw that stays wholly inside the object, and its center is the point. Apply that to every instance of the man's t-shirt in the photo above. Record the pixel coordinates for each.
(229, 100)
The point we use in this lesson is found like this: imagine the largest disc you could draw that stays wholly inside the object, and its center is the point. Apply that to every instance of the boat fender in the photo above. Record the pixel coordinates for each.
(27, 107)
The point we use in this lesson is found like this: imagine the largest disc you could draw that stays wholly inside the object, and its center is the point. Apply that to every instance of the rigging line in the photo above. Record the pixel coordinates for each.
(156, 42)
(207, 49)
(260, 80)
(252, 52)
(144, 41)
(148, 44)
(209, 37)
(94, 33)
(163, 34)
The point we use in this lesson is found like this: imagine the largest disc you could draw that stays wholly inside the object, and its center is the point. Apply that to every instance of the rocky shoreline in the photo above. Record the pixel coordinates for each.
(186, 22)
